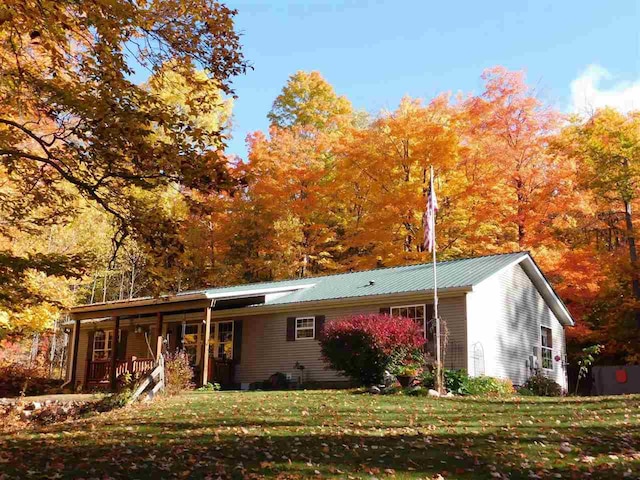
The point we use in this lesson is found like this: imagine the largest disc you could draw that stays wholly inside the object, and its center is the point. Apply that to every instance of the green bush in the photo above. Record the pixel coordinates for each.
(489, 386)
(428, 379)
(114, 400)
(459, 382)
(538, 384)
(525, 392)
(455, 381)
(210, 387)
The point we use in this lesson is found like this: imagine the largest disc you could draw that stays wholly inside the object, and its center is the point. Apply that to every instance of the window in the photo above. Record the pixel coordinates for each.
(102, 345)
(546, 348)
(221, 343)
(305, 328)
(414, 312)
(191, 341)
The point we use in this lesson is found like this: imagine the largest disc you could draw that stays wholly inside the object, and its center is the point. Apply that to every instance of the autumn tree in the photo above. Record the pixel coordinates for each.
(382, 179)
(609, 145)
(283, 221)
(73, 123)
(606, 147)
(286, 215)
(506, 149)
(308, 100)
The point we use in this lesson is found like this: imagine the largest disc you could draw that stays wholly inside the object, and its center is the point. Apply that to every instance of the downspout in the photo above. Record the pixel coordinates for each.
(71, 364)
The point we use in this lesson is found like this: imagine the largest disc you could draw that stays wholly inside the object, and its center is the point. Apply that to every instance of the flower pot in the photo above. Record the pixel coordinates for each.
(405, 380)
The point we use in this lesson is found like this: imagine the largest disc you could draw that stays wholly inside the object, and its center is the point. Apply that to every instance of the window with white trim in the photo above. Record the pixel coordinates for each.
(305, 328)
(102, 345)
(191, 341)
(546, 348)
(221, 340)
(414, 312)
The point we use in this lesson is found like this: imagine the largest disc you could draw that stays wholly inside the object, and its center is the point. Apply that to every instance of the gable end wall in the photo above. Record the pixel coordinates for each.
(506, 313)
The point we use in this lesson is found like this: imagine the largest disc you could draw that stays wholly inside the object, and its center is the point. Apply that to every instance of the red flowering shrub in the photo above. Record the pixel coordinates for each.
(362, 347)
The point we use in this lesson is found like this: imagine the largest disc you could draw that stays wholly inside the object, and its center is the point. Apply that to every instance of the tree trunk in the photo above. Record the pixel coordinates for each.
(522, 211)
(104, 286)
(93, 288)
(133, 279)
(121, 292)
(633, 256)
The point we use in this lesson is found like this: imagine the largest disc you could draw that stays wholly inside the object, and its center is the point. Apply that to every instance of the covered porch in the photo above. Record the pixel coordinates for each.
(116, 339)
(99, 371)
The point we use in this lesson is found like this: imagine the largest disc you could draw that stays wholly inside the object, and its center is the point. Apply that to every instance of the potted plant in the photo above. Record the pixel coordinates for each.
(407, 373)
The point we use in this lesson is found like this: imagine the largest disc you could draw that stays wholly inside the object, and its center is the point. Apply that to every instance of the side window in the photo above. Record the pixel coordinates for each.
(102, 345)
(414, 312)
(305, 328)
(191, 341)
(222, 340)
(546, 348)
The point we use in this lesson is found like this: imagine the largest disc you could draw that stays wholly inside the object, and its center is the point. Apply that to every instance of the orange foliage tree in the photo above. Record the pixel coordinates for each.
(328, 190)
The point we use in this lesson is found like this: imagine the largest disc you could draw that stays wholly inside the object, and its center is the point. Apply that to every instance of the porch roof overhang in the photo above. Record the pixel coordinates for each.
(172, 303)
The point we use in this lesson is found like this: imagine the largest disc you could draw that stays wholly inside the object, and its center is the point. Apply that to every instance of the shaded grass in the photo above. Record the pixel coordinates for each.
(337, 434)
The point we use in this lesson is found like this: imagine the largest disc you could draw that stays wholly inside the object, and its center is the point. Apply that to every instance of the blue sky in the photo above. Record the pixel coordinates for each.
(374, 52)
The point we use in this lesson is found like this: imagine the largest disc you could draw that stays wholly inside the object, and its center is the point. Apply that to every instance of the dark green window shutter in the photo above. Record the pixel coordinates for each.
(237, 341)
(385, 310)
(431, 322)
(319, 326)
(122, 345)
(291, 329)
(90, 346)
(429, 313)
(178, 335)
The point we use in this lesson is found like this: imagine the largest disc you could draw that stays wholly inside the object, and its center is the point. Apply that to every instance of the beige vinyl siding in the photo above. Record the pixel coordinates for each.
(506, 313)
(453, 311)
(265, 349)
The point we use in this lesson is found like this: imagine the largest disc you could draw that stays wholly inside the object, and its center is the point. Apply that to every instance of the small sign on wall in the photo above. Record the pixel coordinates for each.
(621, 375)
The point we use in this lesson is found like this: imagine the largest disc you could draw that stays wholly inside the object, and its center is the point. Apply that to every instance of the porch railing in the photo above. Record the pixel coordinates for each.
(98, 371)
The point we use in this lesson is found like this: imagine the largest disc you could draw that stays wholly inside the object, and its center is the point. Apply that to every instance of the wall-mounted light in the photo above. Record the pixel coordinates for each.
(139, 329)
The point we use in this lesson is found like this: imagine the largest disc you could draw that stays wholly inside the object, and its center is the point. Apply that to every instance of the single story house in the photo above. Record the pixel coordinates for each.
(503, 319)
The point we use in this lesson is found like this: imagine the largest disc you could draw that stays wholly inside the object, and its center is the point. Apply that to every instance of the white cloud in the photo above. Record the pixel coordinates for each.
(587, 93)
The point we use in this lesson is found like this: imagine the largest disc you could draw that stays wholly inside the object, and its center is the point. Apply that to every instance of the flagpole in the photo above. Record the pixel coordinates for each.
(435, 298)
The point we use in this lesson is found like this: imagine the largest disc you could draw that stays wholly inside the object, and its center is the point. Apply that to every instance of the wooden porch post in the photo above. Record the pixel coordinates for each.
(74, 358)
(207, 335)
(114, 353)
(159, 335)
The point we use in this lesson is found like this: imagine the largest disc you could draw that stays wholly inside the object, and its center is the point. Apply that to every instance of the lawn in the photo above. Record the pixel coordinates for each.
(339, 434)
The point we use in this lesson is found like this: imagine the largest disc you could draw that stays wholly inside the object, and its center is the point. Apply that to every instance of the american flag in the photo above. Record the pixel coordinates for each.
(429, 219)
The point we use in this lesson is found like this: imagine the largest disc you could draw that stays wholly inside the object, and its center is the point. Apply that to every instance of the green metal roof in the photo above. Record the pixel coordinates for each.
(411, 278)
(453, 274)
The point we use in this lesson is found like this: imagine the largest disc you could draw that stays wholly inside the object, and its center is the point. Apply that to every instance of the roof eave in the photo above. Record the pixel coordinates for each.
(340, 302)
(547, 291)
